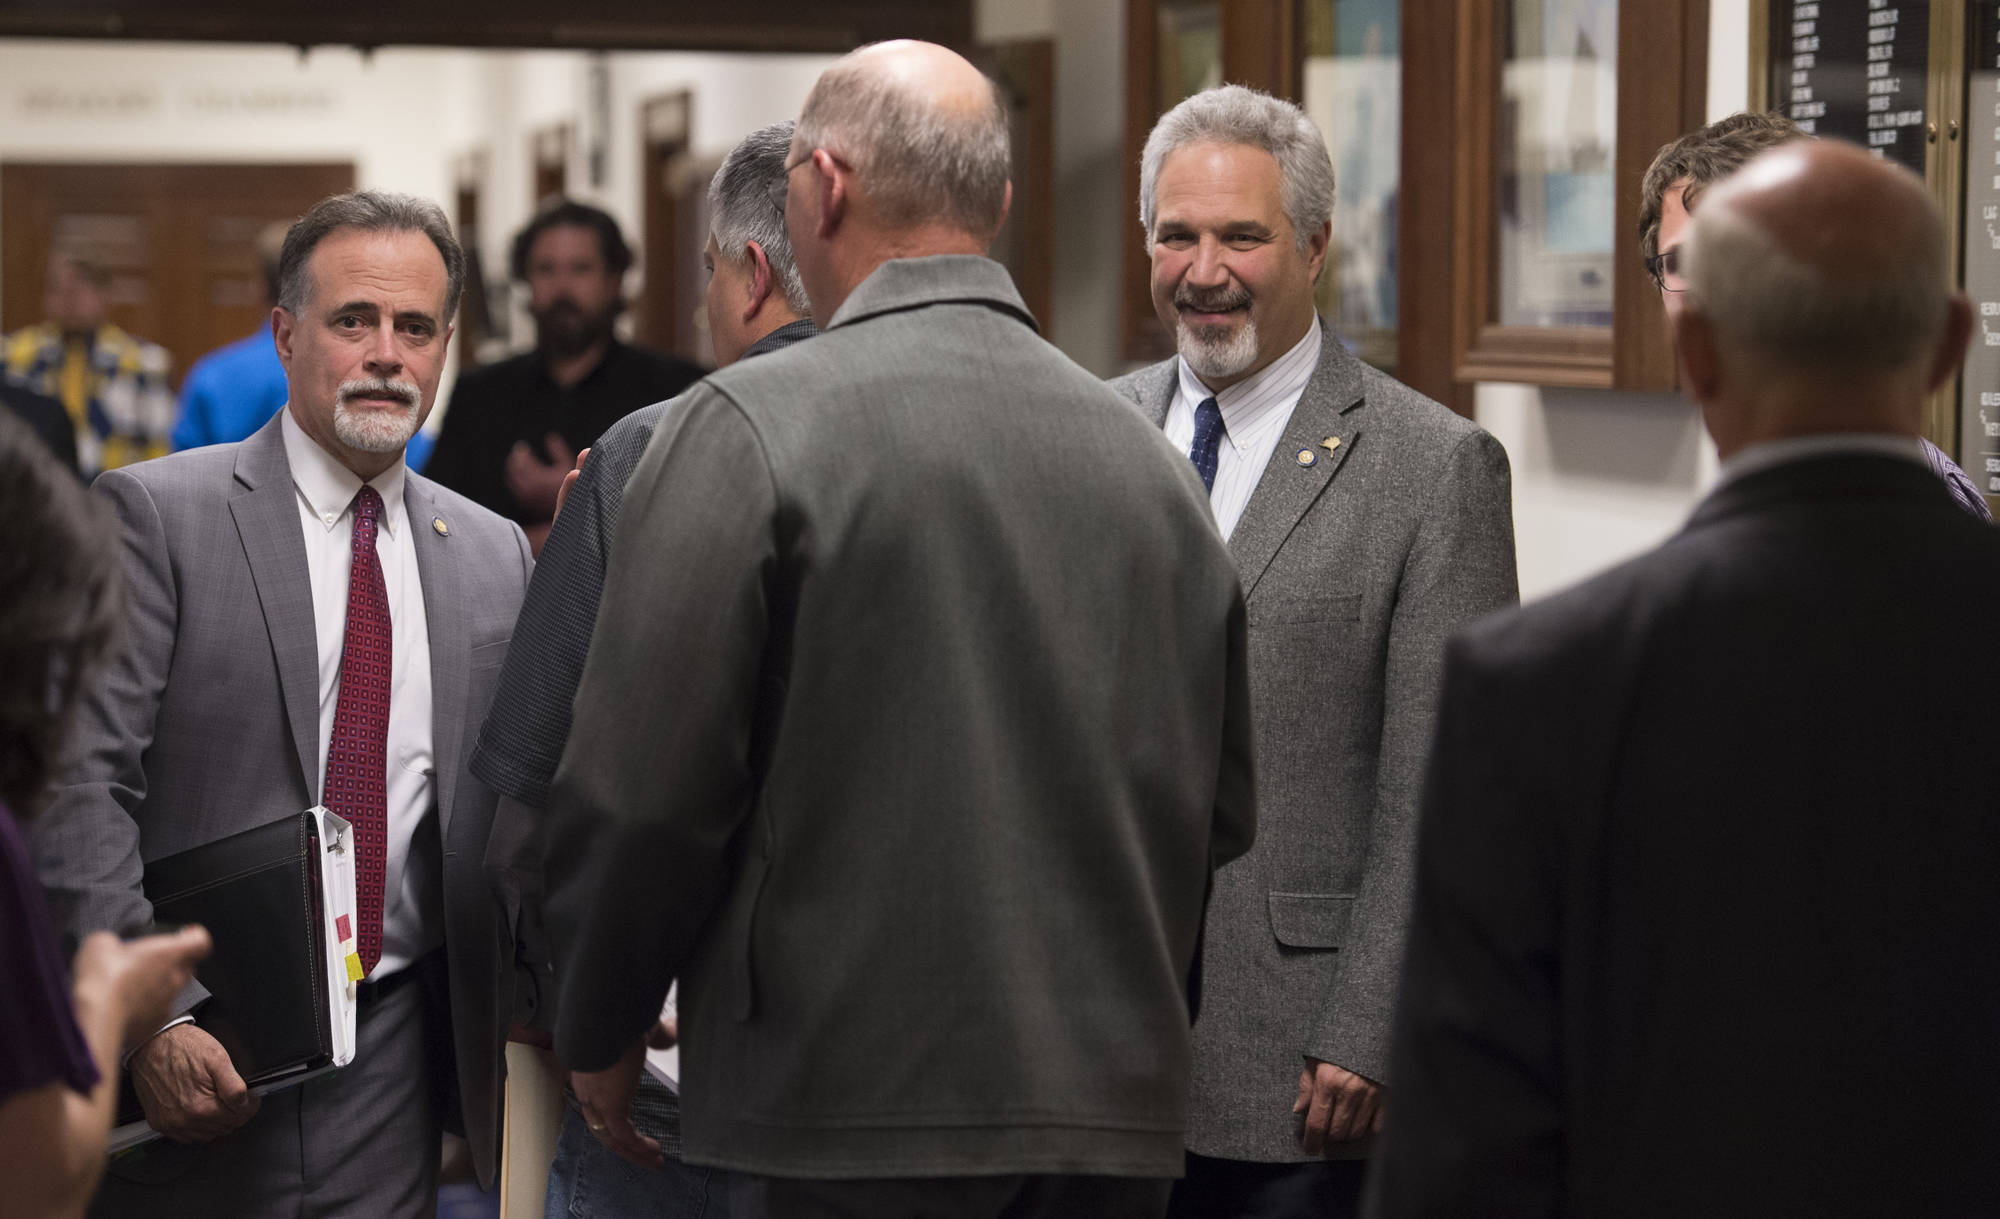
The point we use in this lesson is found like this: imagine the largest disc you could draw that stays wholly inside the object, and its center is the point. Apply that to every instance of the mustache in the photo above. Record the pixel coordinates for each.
(377, 387)
(1216, 300)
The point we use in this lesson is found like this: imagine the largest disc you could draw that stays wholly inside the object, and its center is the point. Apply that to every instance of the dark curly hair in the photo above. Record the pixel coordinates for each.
(1705, 157)
(568, 213)
(61, 602)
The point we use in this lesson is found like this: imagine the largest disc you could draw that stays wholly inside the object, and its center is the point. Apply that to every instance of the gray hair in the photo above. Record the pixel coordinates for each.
(1782, 311)
(371, 211)
(918, 164)
(1233, 114)
(746, 203)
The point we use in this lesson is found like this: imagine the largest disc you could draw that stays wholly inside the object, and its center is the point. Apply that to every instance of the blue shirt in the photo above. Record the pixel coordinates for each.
(231, 392)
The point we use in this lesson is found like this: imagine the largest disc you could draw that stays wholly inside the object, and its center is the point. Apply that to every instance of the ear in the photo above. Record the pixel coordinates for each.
(1316, 250)
(281, 334)
(1006, 210)
(762, 281)
(1951, 347)
(833, 191)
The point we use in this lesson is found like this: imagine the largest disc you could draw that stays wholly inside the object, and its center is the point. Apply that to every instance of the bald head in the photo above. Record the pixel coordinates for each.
(923, 130)
(1817, 257)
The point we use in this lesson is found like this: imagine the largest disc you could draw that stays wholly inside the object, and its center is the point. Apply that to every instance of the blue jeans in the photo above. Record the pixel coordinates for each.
(589, 1181)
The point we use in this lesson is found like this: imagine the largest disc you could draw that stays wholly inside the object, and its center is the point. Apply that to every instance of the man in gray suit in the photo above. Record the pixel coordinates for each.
(267, 579)
(914, 723)
(1366, 522)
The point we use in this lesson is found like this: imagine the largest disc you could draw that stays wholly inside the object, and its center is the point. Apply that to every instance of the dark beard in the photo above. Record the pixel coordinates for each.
(564, 330)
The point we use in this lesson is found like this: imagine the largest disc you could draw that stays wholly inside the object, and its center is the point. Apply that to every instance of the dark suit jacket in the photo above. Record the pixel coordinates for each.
(1706, 907)
(914, 720)
(207, 721)
(1355, 568)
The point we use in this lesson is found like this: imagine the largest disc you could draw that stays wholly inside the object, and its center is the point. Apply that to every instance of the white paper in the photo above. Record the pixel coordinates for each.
(336, 886)
(665, 1065)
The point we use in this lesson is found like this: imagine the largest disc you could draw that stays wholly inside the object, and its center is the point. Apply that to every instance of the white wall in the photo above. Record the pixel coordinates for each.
(1601, 476)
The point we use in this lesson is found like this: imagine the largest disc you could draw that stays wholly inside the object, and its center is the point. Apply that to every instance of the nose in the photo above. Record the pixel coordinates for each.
(383, 357)
(1209, 268)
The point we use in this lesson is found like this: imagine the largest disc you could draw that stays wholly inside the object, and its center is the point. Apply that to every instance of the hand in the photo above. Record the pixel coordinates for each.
(534, 482)
(541, 1039)
(1339, 1105)
(569, 481)
(137, 981)
(190, 1091)
(606, 1099)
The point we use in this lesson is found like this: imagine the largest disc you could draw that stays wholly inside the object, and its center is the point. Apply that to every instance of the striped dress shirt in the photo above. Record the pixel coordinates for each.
(1255, 411)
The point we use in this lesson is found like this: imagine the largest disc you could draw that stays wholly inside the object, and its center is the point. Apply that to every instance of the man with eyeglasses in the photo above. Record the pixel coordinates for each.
(756, 305)
(1667, 196)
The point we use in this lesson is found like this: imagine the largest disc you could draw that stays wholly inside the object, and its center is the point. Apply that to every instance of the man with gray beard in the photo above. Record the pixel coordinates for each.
(1366, 522)
(310, 623)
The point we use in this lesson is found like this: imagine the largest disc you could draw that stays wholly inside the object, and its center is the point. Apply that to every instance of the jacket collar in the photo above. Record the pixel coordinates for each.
(941, 279)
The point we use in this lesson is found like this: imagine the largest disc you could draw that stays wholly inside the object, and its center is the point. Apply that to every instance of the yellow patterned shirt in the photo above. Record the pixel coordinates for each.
(113, 385)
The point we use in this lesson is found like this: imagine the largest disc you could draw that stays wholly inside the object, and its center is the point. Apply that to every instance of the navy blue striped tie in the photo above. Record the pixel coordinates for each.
(1207, 440)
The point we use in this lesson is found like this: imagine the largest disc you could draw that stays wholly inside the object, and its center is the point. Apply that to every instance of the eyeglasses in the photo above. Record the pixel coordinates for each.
(1665, 268)
(781, 188)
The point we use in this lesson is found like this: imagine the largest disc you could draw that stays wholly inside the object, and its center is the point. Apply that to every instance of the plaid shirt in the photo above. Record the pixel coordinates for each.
(1963, 489)
(124, 407)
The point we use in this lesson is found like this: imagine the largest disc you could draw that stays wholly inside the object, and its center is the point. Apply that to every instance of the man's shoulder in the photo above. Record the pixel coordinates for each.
(631, 433)
(488, 377)
(206, 470)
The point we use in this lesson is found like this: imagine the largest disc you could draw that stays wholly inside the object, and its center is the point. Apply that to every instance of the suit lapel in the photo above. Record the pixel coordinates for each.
(437, 571)
(1319, 425)
(267, 523)
(1155, 388)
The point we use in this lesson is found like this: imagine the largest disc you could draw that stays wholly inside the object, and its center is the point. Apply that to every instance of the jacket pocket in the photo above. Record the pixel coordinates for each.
(1310, 920)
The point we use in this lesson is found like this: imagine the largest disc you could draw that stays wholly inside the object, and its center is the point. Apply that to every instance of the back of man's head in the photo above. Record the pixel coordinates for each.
(924, 132)
(1702, 158)
(746, 203)
(1820, 263)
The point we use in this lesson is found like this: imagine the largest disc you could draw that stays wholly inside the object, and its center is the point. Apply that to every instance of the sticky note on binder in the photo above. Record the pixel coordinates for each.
(354, 967)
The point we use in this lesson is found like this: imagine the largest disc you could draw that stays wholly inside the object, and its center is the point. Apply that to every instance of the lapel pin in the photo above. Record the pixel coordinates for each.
(443, 530)
(1330, 443)
(1307, 457)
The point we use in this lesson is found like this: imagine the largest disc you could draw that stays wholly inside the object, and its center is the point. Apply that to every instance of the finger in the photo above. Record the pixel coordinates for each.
(1346, 1106)
(580, 455)
(631, 1146)
(1317, 1116)
(665, 1035)
(231, 1092)
(1304, 1100)
(1380, 1109)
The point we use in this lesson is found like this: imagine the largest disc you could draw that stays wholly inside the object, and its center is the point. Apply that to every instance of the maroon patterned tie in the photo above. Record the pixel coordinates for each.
(357, 758)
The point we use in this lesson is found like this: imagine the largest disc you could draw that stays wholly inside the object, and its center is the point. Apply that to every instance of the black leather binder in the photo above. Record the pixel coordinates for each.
(258, 893)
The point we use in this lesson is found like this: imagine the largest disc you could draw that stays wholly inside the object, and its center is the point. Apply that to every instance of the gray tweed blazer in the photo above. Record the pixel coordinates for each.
(1355, 569)
(915, 717)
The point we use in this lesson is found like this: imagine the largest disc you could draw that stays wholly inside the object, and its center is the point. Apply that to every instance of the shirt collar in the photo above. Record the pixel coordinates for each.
(1799, 448)
(1247, 400)
(328, 488)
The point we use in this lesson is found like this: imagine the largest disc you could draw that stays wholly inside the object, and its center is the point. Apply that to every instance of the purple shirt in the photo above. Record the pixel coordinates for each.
(40, 1042)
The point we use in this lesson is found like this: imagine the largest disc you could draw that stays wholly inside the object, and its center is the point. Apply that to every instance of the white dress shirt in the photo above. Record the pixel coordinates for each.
(1255, 411)
(413, 878)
